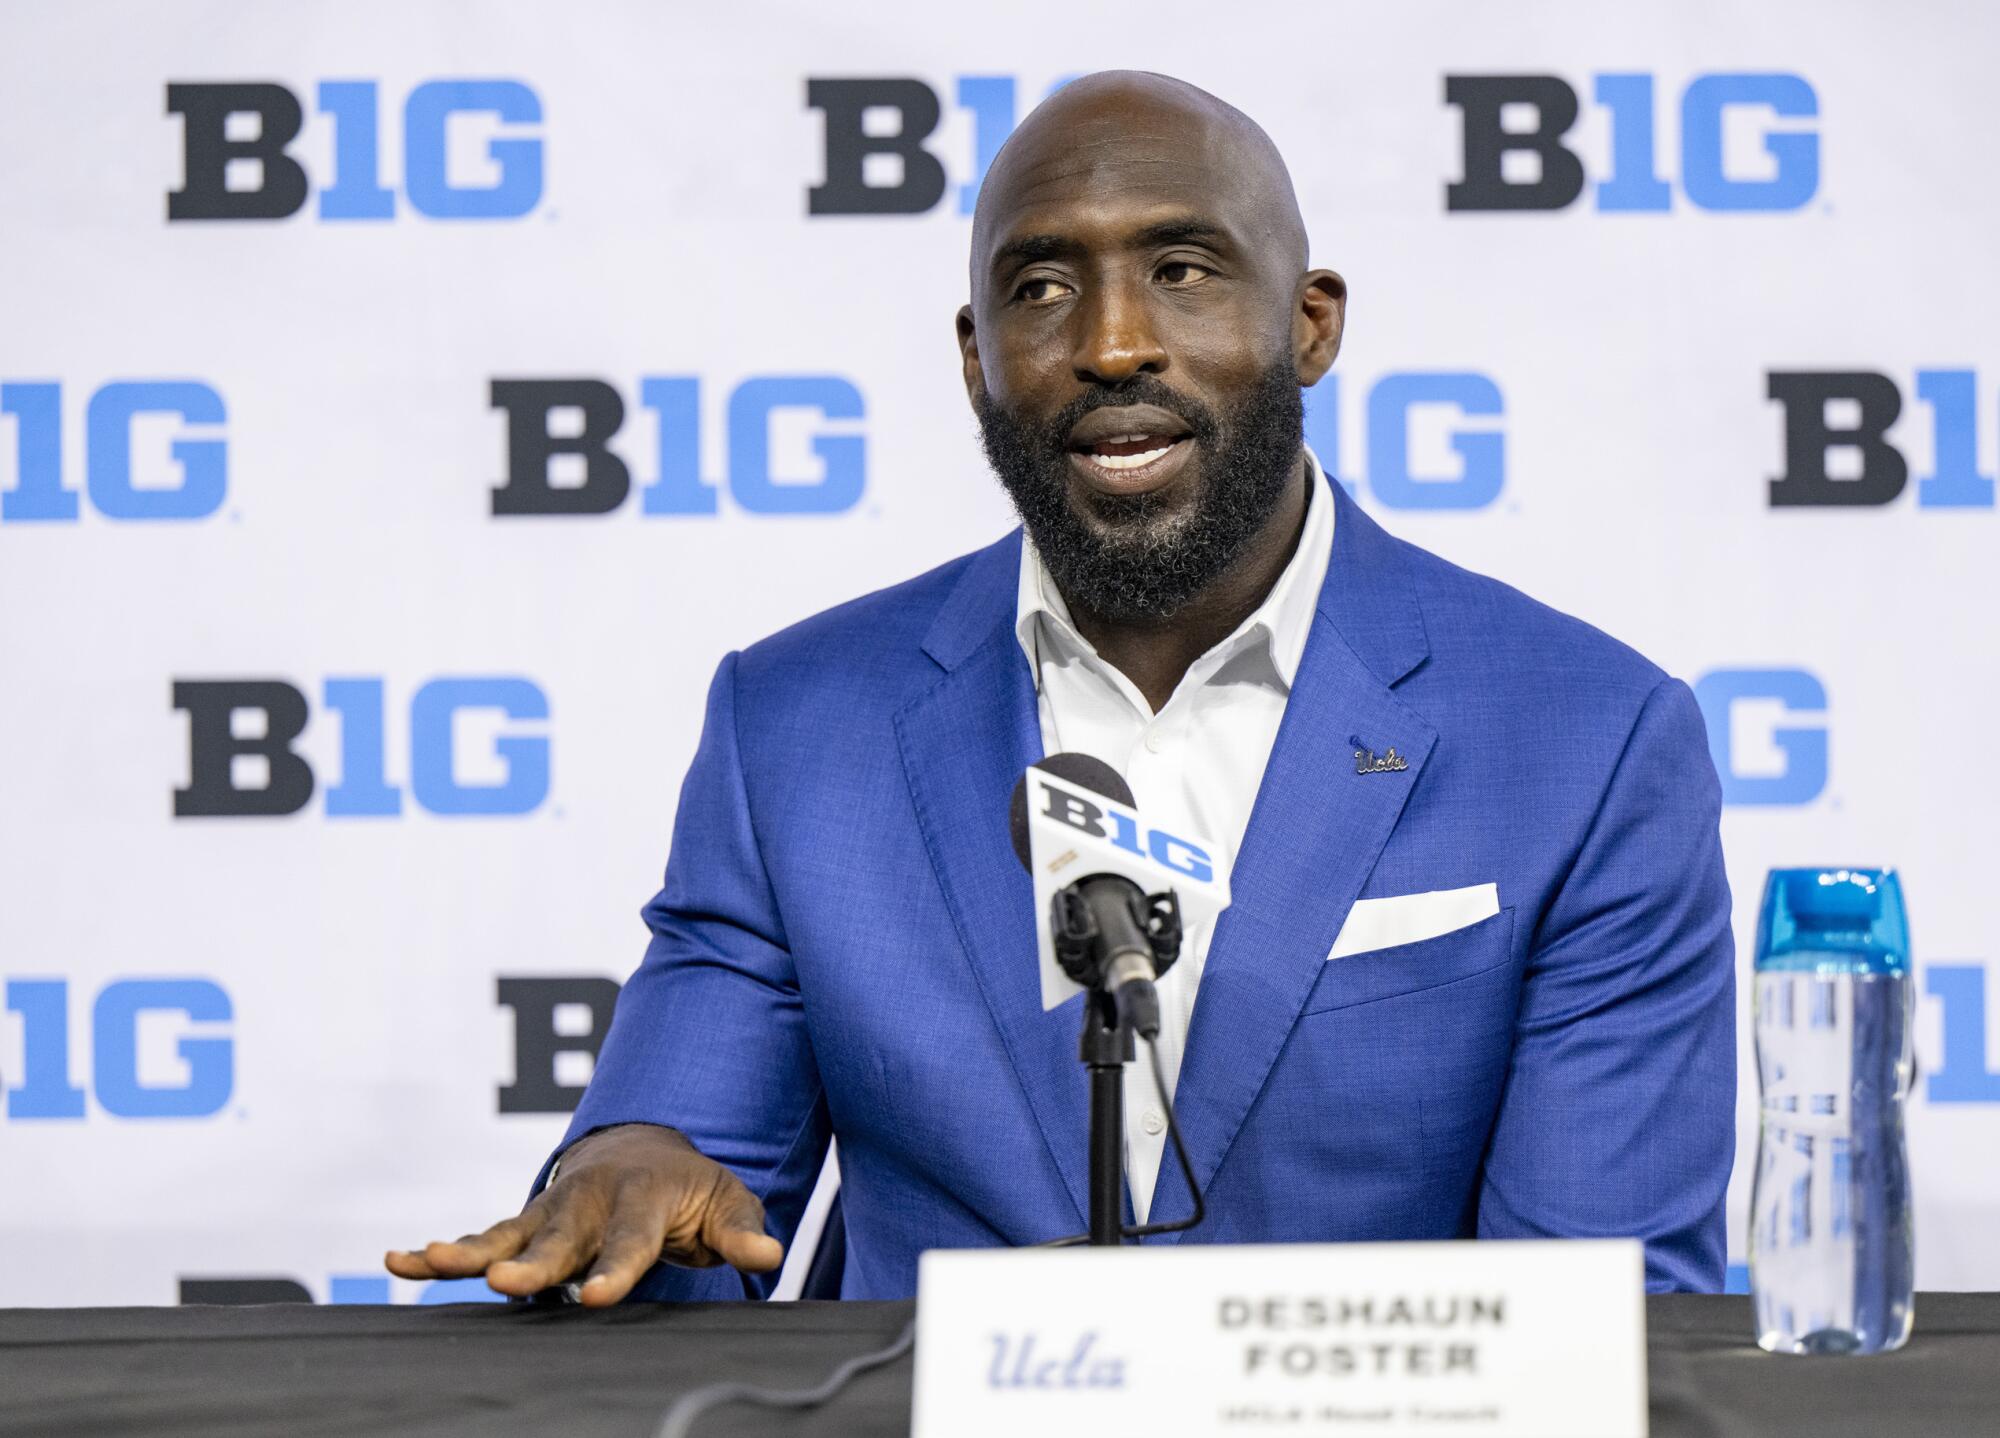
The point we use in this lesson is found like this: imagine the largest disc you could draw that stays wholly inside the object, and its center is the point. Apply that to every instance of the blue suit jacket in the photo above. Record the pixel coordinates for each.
(844, 946)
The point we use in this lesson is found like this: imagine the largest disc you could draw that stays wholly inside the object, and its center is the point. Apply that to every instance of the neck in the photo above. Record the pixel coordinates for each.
(1155, 653)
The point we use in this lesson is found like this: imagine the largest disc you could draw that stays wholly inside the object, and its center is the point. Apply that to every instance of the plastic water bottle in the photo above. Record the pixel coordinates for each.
(1831, 1259)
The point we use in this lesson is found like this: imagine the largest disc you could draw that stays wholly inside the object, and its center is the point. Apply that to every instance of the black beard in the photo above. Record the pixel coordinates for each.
(1141, 561)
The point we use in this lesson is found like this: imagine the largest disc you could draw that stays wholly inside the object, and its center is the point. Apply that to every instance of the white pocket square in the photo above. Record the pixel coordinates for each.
(1408, 918)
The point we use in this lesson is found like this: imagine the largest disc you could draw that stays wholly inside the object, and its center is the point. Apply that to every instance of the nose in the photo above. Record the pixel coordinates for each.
(1115, 337)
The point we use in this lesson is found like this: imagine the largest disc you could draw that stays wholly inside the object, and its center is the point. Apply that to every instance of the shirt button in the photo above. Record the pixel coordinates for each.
(1153, 1123)
(1155, 740)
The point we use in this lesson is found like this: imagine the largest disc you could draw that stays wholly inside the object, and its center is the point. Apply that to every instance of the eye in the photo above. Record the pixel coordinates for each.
(1039, 290)
(1180, 274)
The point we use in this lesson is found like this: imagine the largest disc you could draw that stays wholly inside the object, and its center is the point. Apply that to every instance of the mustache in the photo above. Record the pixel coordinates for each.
(1139, 389)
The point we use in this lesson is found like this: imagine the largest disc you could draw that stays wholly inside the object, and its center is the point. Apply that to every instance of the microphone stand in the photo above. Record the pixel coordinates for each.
(1113, 940)
(1106, 1048)
(1139, 923)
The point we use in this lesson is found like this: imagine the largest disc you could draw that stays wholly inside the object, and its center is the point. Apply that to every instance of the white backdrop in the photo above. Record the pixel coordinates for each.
(269, 1046)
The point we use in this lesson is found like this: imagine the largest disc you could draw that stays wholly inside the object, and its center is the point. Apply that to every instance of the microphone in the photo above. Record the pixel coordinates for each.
(1086, 771)
(1108, 934)
(1101, 931)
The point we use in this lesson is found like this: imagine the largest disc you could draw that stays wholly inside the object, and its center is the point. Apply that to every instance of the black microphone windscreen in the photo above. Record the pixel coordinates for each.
(1086, 771)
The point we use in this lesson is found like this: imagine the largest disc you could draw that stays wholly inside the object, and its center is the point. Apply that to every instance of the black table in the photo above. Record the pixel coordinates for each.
(485, 1370)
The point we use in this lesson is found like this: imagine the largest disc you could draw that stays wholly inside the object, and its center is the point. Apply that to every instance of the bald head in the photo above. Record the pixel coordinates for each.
(1142, 322)
(1124, 135)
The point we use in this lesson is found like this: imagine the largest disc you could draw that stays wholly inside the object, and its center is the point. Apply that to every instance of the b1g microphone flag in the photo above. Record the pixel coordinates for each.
(1074, 816)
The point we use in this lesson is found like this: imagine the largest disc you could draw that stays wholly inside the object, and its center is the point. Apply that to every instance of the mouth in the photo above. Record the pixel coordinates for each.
(1129, 449)
(1129, 452)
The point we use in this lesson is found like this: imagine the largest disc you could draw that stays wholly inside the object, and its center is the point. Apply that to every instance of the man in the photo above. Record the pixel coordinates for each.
(1477, 978)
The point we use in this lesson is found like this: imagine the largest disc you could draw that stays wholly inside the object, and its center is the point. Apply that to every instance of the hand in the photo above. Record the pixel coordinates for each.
(624, 1198)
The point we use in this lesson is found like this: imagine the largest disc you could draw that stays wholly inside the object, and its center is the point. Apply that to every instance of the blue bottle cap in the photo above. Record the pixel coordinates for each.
(1833, 920)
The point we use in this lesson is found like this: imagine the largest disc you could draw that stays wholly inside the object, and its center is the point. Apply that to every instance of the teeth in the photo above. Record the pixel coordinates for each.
(1129, 461)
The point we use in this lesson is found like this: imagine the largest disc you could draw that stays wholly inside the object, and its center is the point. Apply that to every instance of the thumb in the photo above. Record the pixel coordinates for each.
(734, 1232)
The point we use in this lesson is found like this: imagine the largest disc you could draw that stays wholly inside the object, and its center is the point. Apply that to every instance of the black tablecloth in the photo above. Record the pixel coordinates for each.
(486, 1370)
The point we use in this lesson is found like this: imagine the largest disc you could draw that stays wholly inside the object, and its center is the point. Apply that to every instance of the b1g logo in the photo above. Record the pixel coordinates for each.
(45, 1087)
(559, 461)
(241, 762)
(236, 145)
(1837, 450)
(1407, 417)
(559, 1027)
(876, 160)
(1766, 734)
(340, 1288)
(1514, 157)
(185, 477)
(1091, 815)
(1964, 1074)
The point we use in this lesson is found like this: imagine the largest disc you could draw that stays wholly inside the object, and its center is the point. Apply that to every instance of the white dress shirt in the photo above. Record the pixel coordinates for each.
(1194, 767)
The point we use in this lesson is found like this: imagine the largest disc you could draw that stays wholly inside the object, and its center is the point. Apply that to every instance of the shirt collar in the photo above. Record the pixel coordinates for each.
(1278, 626)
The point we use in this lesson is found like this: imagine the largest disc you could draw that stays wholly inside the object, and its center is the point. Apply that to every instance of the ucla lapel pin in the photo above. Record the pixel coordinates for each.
(1367, 761)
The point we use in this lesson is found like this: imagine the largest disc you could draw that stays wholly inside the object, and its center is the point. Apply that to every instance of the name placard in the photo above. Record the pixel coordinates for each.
(1495, 1339)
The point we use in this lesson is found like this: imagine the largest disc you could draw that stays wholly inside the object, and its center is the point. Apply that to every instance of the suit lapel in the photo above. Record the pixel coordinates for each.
(965, 743)
(1315, 833)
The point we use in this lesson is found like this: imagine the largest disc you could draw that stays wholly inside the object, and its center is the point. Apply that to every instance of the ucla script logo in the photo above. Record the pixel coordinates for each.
(1031, 1360)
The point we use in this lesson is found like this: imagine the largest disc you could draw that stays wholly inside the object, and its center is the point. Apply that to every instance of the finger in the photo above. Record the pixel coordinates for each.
(564, 1245)
(733, 1231)
(405, 1264)
(476, 1252)
(632, 1245)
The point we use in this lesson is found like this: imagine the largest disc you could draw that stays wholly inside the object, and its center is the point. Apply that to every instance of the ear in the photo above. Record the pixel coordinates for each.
(968, 354)
(1319, 313)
